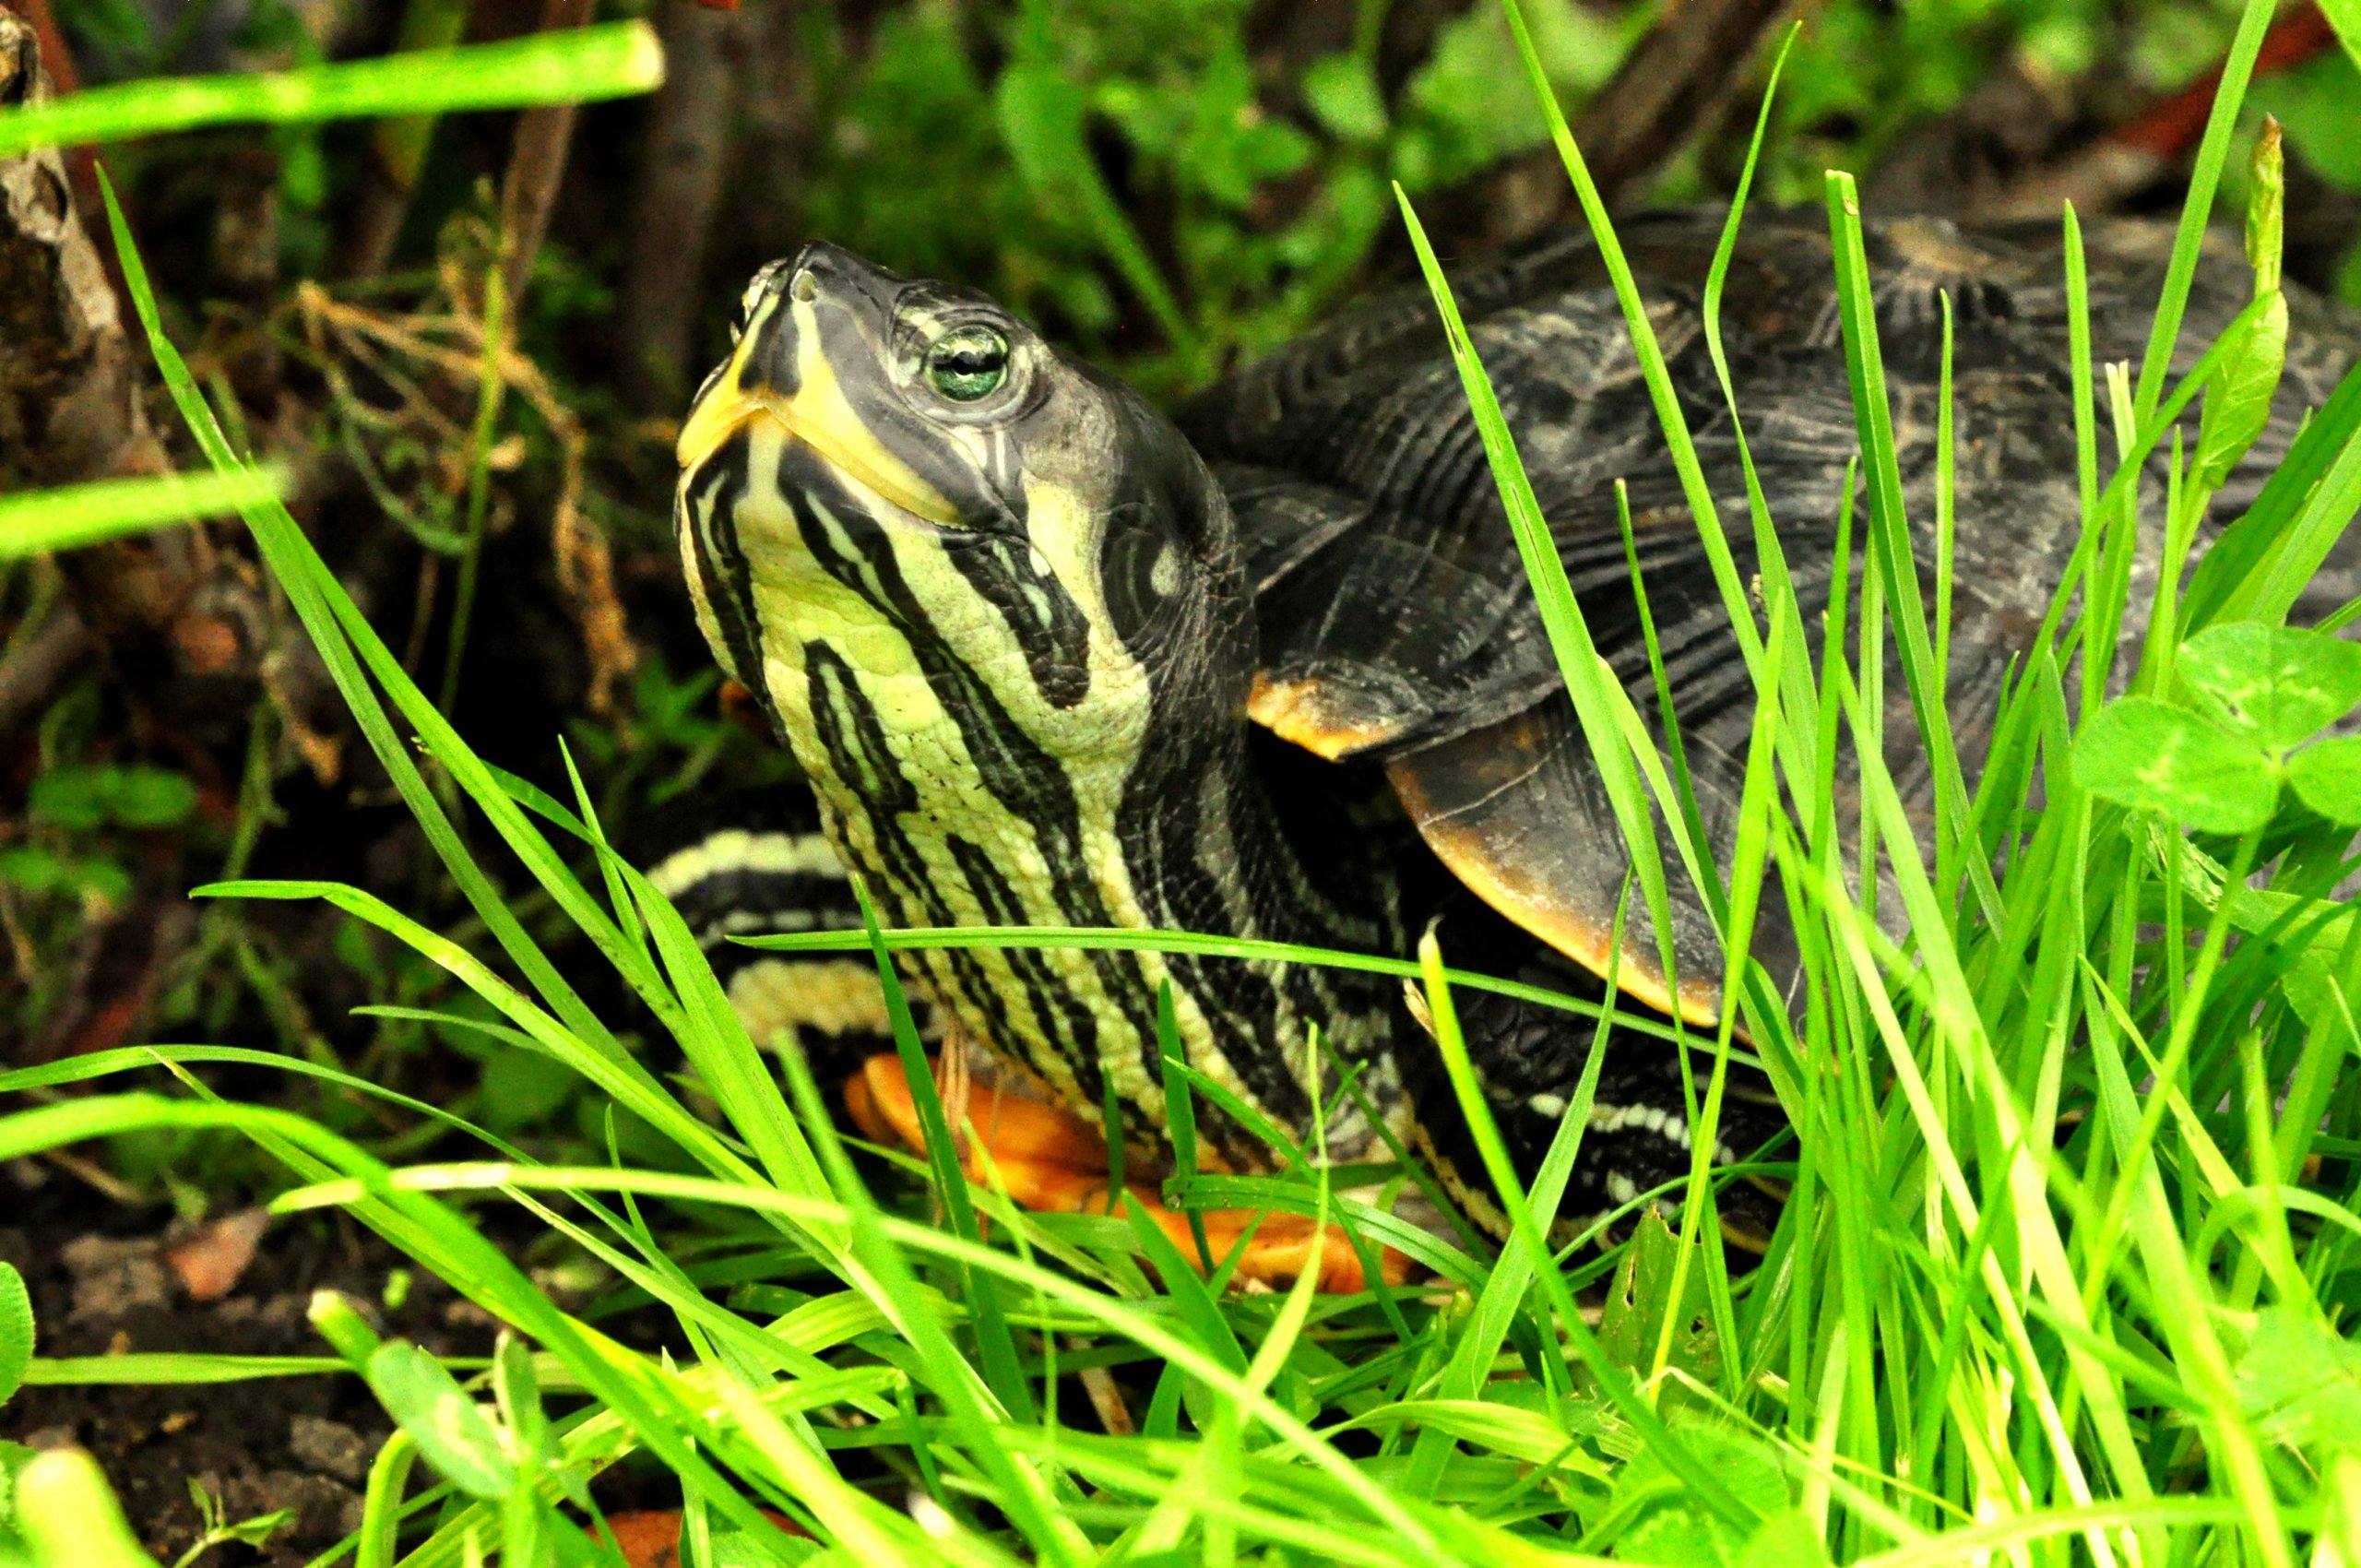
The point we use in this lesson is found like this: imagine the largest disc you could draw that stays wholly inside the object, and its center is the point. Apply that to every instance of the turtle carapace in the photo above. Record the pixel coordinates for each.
(1270, 668)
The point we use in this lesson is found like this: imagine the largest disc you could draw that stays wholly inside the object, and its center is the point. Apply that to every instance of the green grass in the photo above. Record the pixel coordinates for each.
(85, 514)
(2048, 1290)
(606, 61)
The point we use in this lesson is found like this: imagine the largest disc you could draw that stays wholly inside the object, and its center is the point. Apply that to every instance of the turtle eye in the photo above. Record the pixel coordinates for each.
(967, 363)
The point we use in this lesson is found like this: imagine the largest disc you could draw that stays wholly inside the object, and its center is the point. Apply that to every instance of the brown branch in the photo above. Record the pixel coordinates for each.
(379, 201)
(36, 665)
(1675, 87)
(69, 407)
(536, 164)
(679, 196)
(185, 623)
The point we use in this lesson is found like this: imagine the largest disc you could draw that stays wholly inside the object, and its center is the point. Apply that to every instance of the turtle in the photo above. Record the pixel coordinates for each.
(1267, 665)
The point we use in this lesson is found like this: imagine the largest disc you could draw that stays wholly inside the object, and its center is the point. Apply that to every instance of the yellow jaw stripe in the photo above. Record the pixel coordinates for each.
(818, 414)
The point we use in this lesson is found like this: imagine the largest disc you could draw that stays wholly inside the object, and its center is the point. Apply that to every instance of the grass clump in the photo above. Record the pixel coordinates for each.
(2067, 1276)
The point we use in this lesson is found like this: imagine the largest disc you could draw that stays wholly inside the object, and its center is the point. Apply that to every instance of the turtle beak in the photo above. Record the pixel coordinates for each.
(809, 360)
(720, 410)
(758, 378)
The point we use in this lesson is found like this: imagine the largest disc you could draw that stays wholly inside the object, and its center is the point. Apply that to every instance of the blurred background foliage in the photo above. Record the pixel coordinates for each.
(1166, 186)
(1169, 183)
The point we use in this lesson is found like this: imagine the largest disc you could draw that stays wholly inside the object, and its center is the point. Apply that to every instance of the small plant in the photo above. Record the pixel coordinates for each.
(78, 805)
(215, 1528)
(2253, 701)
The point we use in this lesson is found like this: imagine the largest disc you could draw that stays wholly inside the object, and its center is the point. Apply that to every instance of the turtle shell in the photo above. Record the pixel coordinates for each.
(1396, 621)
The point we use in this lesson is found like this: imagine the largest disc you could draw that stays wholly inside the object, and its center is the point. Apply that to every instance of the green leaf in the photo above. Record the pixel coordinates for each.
(1676, 1535)
(37, 870)
(2147, 753)
(1230, 146)
(129, 797)
(1788, 1539)
(2309, 985)
(32, 869)
(1641, 1296)
(258, 1530)
(2299, 1380)
(518, 1391)
(16, 1331)
(2285, 683)
(1671, 1529)
(451, 1432)
(2237, 405)
(2326, 778)
(152, 797)
(14, 1457)
(71, 797)
(2279, 540)
(1341, 91)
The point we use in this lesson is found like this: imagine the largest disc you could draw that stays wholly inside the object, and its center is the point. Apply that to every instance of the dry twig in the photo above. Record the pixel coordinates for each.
(407, 350)
(537, 164)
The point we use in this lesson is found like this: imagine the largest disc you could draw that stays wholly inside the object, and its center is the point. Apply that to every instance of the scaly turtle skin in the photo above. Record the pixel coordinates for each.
(1014, 624)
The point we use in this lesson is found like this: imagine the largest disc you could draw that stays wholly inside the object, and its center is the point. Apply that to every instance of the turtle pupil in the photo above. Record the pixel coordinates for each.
(968, 364)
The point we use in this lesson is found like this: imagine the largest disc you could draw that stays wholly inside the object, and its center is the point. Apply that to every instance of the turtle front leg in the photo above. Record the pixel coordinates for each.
(1051, 1161)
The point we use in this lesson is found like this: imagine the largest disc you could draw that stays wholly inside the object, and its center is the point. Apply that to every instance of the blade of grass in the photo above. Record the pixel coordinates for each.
(1612, 1380)
(612, 60)
(1769, 552)
(441, 1239)
(78, 515)
(2197, 211)
(1413, 1540)
(1138, 940)
(1180, 1113)
(997, 1349)
(1891, 551)
(1513, 1276)
(1599, 701)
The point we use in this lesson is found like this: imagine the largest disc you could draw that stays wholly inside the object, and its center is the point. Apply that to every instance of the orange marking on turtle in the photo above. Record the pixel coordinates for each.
(1052, 1161)
(1300, 712)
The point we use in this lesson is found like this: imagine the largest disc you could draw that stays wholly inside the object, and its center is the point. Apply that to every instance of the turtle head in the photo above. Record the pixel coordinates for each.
(904, 474)
(993, 600)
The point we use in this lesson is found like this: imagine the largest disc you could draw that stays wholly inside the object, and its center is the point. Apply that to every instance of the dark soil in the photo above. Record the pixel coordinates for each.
(101, 1286)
